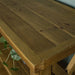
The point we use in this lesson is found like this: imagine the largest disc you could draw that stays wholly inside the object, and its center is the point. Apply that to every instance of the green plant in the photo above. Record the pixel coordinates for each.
(12, 53)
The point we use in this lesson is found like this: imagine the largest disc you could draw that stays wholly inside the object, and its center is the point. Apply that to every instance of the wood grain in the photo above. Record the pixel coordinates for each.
(42, 32)
(39, 24)
(56, 18)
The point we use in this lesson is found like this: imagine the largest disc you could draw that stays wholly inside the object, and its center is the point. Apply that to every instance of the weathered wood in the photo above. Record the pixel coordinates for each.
(41, 33)
(71, 66)
(45, 28)
(58, 19)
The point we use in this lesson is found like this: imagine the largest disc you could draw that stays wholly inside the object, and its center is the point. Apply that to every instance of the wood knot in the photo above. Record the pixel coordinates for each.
(55, 27)
(67, 24)
(41, 30)
(61, 27)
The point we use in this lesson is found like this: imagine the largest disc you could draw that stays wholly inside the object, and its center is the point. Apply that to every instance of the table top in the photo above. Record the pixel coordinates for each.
(41, 31)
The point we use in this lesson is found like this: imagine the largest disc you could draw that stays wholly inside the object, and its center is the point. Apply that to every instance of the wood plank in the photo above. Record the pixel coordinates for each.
(60, 52)
(56, 6)
(27, 15)
(38, 23)
(23, 69)
(71, 66)
(23, 49)
(44, 12)
(58, 70)
(63, 16)
(42, 26)
(64, 7)
(32, 41)
(16, 15)
(66, 13)
(57, 35)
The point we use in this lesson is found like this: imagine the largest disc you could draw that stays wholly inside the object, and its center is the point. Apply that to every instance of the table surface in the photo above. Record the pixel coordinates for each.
(41, 31)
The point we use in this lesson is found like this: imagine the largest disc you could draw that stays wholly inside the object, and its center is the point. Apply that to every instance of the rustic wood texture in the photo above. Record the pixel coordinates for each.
(41, 31)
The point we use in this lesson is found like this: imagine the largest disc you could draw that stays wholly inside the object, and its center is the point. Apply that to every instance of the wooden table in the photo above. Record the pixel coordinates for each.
(42, 32)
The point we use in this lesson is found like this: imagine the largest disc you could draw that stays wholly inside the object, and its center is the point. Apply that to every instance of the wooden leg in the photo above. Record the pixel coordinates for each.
(33, 73)
(71, 66)
(47, 71)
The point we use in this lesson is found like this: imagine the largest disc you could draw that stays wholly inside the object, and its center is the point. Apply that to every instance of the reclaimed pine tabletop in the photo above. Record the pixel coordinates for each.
(42, 32)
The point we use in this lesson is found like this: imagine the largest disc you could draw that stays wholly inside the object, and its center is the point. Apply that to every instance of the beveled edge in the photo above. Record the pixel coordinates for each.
(63, 50)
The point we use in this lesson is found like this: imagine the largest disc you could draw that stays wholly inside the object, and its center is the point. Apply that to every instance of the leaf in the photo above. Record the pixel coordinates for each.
(14, 69)
(10, 47)
(2, 39)
(5, 44)
(12, 52)
(5, 64)
(14, 55)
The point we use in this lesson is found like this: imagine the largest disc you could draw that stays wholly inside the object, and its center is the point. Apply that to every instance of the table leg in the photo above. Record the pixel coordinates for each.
(33, 73)
(47, 71)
